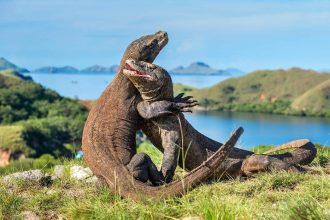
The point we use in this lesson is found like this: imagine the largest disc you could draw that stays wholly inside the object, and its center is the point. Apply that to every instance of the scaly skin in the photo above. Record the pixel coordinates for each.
(164, 132)
(155, 87)
(108, 138)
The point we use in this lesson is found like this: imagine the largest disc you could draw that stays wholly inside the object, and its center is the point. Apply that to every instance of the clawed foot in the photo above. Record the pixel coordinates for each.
(184, 104)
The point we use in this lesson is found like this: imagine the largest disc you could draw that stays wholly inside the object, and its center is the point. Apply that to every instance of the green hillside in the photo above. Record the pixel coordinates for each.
(293, 91)
(316, 99)
(15, 75)
(36, 120)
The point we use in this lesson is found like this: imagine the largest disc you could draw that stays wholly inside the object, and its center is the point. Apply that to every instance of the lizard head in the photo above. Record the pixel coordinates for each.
(152, 81)
(147, 47)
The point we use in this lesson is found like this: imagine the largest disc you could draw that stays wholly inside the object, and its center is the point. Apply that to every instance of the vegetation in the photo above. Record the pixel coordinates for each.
(279, 195)
(43, 120)
(294, 91)
(45, 162)
(11, 138)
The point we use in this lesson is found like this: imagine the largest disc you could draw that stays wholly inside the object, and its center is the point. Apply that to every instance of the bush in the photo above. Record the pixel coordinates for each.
(49, 135)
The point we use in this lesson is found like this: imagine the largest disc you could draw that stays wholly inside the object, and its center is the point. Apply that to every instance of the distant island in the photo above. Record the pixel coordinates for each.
(70, 69)
(196, 68)
(205, 69)
(100, 69)
(7, 65)
(52, 69)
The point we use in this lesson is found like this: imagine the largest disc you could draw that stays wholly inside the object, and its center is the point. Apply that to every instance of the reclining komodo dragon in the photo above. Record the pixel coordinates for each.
(154, 84)
(109, 135)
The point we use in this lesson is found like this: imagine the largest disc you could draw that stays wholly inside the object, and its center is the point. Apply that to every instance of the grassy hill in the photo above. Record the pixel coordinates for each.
(293, 91)
(315, 99)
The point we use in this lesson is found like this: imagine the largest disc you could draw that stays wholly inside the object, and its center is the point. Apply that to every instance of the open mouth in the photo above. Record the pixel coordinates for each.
(135, 72)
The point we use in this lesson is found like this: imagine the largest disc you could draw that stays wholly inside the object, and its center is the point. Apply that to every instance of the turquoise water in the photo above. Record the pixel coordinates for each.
(259, 128)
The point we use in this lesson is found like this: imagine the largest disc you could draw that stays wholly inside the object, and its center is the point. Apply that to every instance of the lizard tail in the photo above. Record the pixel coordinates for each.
(123, 183)
(304, 154)
(289, 145)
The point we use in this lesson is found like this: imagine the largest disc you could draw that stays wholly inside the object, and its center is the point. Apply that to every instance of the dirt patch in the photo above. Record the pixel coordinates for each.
(4, 157)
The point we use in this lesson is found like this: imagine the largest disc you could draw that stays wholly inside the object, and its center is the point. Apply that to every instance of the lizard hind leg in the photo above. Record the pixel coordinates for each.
(257, 163)
(143, 169)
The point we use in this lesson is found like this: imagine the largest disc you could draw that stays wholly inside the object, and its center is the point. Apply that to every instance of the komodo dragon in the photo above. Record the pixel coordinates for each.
(108, 138)
(155, 87)
(154, 83)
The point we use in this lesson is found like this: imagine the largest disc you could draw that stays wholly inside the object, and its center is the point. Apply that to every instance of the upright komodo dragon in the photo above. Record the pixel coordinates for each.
(155, 87)
(154, 84)
(109, 134)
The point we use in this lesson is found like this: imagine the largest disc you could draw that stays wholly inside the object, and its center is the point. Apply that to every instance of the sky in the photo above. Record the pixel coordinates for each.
(244, 34)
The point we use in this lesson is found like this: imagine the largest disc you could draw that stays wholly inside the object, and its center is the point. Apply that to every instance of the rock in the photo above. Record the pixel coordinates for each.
(31, 175)
(92, 179)
(59, 171)
(191, 218)
(80, 173)
(53, 215)
(29, 215)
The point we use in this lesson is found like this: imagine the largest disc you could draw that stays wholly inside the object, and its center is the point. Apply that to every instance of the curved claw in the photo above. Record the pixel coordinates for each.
(186, 110)
(187, 98)
(186, 105)
(178, 97)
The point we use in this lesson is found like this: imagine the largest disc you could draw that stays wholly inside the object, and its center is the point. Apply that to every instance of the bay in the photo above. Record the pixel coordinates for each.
(260, 129)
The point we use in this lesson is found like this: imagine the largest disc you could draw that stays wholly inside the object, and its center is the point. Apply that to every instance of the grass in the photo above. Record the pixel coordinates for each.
(280, 195)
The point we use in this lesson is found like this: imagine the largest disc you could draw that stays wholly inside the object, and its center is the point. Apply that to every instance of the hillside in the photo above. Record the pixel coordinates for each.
(293, 91)
(38, 119)
(14, 75)
(315, 99)
(7, 65)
